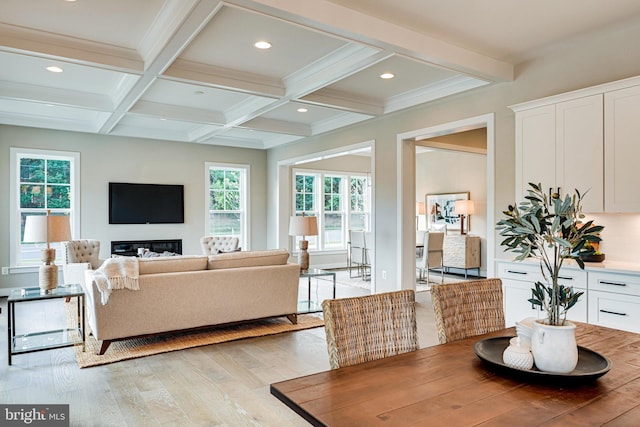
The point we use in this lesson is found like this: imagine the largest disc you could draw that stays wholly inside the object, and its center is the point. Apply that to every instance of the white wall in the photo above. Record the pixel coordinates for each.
(441, 171)
(112, 158)
(577, 64)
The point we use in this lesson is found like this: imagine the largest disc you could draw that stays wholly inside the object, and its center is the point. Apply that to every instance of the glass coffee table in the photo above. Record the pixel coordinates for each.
(309, 305)
(46, 339)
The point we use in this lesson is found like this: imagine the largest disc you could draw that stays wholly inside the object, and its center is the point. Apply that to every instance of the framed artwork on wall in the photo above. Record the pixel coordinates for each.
(441, 211)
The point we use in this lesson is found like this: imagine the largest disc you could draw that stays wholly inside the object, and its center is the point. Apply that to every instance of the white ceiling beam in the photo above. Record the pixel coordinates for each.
(198, 17)
(339, 100)
(278, 126)
(223, 78)
(69, 49)
(176, 112)
(54, 96)
(339, 64)
(353, 25)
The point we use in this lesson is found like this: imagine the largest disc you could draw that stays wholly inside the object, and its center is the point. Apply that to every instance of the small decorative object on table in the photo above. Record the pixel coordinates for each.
(550, 229)
(518, 355)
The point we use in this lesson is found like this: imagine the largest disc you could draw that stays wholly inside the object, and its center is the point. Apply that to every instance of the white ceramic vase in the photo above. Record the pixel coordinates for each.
(554, 348)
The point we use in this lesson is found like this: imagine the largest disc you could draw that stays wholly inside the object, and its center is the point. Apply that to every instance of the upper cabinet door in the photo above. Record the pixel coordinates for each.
(580, 151)
(535, 149)
(622, 150)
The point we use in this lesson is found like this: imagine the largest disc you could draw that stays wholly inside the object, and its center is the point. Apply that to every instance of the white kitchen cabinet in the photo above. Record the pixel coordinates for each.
(535, 149)
(518, 278)
(614, 300)
(560, 145)
(622, 127)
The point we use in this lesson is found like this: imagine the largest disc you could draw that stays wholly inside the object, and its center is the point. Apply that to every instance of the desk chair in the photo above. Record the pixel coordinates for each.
(467, 309)
(371, 327)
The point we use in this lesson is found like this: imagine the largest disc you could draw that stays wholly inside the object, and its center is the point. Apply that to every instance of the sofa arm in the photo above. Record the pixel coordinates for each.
(73, 274)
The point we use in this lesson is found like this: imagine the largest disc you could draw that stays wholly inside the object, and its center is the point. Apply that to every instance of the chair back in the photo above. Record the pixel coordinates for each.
(212, 245)
(434, 244)
(81, 251)
(467, 309)
(432, 250)
(371, 327)
(357, 247)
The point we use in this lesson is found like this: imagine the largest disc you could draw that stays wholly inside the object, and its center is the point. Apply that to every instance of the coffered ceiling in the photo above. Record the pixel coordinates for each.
(187, 70)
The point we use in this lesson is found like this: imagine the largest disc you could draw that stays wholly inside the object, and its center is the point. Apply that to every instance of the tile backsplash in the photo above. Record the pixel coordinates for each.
(620, 237)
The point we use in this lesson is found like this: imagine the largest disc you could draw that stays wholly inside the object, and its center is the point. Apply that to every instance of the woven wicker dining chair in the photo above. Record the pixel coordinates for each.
(467, 309)
(371, 327)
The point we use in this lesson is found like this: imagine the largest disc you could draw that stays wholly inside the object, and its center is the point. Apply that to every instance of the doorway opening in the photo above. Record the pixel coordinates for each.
(439, 138)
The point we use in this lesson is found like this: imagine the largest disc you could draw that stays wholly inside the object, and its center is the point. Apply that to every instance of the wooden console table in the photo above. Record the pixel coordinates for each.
(461, 251)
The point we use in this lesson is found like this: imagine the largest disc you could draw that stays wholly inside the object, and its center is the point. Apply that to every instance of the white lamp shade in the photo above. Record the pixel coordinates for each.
(303, 226)
(46, 228)
(464, 207)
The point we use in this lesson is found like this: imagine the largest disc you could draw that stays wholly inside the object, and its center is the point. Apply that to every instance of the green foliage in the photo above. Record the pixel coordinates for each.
(45, 184)
(225, 189)
(550, 229)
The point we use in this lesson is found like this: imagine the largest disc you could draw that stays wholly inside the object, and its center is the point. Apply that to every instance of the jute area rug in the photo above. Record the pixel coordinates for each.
(141, 347)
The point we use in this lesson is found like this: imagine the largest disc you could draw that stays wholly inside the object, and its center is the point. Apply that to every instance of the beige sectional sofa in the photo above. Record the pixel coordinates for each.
(186, 292)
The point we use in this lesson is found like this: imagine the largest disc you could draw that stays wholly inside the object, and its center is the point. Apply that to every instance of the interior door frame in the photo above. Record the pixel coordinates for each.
(406, 179)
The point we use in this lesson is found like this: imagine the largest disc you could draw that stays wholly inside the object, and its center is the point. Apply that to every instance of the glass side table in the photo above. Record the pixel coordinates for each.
(310, 306)
(47, 339)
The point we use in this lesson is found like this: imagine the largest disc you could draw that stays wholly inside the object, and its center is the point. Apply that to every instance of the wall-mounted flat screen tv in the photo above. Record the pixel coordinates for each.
(145, 203)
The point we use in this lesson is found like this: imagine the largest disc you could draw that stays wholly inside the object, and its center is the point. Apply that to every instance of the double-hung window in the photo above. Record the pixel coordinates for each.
(41, 181)
(227, 201)
(340, 201)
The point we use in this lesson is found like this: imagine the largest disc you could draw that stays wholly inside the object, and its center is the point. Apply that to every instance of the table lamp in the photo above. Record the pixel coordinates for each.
(303, 226)
(463, 208)
(47, 229)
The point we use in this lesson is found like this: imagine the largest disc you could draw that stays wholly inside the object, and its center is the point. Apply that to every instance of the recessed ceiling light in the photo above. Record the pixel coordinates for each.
(302, 110)
(387, 75)
(54, 69)
(262, 44)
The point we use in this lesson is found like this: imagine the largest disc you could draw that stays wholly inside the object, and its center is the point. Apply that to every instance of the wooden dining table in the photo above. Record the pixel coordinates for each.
(449, 385)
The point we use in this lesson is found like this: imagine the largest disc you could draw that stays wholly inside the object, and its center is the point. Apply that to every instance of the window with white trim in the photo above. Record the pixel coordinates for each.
(41, 181)
(227, 201)
(340, 201)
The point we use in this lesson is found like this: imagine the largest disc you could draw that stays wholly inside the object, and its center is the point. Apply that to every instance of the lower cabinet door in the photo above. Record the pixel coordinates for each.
(612, 310)
(516, 296)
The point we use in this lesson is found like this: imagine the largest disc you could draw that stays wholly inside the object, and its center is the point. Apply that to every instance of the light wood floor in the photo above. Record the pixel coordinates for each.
(218, 385)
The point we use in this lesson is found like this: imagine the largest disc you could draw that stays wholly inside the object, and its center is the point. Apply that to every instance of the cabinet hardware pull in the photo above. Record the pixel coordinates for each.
(565, 278)
(603, 282)
(517, 272)
(613, 312)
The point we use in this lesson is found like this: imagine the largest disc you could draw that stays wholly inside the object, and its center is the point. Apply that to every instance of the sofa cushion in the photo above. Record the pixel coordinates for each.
(248, 259)
(172, 264)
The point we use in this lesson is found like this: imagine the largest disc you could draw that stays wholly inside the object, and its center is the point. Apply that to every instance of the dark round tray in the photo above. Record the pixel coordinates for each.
(591, 365)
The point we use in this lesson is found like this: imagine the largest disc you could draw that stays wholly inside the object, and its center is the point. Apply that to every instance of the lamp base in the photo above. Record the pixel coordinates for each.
(48, 273)
(303, 256)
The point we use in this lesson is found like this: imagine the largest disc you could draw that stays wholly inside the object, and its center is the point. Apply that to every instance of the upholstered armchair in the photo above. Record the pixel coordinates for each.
(80, 256)
(212, 245)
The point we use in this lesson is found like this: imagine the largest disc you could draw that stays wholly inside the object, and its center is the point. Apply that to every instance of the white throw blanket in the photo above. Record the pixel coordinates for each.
(116, 273)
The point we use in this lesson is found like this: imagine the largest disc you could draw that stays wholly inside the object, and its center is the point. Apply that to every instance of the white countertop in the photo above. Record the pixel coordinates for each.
(608, 266)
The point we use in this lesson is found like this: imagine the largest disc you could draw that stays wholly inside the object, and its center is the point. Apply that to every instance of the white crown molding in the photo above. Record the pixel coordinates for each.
(432, 92)
(344, 101)
(341, 120)
(579, 93)
(69, 49)
(197, 73)
(54, 96)
(278, 126)
(173, 112)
